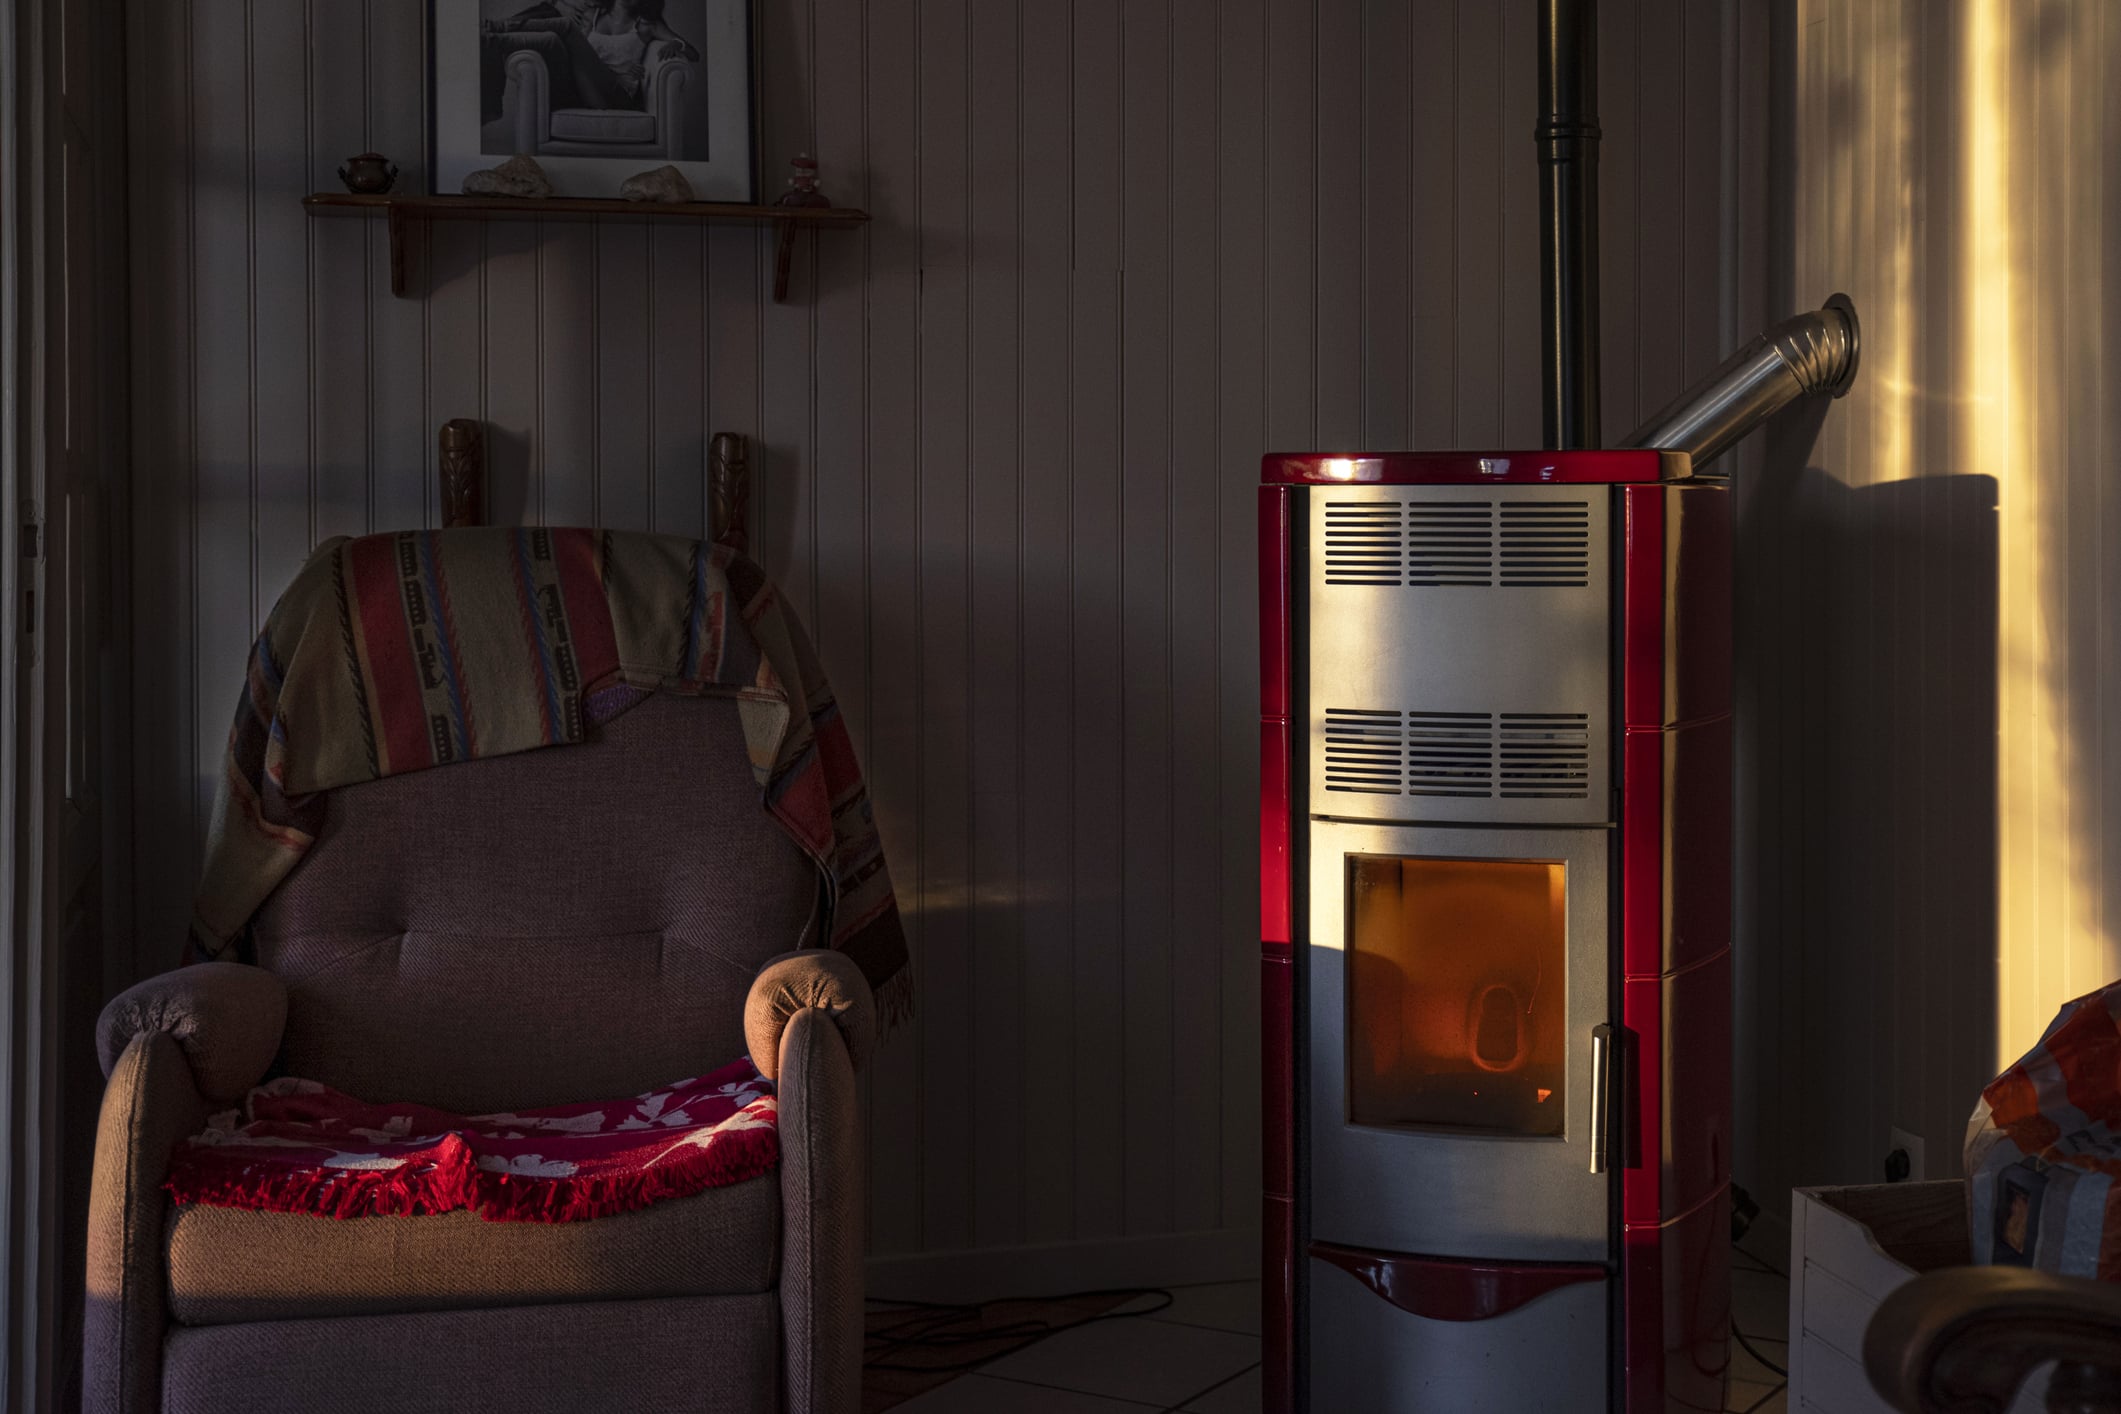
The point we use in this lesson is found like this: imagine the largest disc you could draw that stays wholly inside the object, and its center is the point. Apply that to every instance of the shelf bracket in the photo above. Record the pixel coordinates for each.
(802, 192)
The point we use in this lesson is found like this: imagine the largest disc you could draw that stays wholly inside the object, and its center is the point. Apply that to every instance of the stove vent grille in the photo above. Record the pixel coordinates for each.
(1450, 754)
(1546, 544)
(1363, 751)
(1365, 542)
(1450, 543)
(1466, 755)
(1459, 544)
(1545, 755)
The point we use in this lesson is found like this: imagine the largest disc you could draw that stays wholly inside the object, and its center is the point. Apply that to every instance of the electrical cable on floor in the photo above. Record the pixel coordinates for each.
(1200, 1394)
(1762, 1402)
(1739, 1336)
(930, 1330)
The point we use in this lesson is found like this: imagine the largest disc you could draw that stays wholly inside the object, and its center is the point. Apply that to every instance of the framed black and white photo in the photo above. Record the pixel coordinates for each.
(595, 90)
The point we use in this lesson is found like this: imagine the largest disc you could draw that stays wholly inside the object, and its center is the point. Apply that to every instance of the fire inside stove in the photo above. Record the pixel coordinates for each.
(1455, 993)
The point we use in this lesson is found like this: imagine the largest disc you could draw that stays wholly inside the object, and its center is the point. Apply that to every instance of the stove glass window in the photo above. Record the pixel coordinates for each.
(1456, 993)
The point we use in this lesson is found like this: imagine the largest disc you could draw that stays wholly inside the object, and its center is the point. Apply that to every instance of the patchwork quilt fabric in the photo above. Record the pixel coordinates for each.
(298, 1147)
(401, 652)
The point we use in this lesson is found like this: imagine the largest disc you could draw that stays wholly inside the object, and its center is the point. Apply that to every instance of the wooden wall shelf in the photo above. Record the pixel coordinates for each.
(401, 210)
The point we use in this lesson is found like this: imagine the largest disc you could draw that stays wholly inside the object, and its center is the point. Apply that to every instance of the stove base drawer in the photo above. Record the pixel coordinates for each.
(1368, 1355)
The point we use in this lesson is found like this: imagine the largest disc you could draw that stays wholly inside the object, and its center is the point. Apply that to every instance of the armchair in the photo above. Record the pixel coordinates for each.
(559, 925)
(655, 130)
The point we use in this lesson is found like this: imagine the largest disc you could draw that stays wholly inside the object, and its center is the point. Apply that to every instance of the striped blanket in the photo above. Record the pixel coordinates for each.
(394, 653)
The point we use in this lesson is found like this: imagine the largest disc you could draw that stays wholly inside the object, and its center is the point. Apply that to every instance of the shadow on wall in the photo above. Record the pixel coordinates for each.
(1867, 815)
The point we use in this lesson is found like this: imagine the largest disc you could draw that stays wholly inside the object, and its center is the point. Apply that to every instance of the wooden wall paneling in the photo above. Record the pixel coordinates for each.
(842, 448)
(784, 510)
(942, 580)
(893, 432)
(734, 387)
(622, 365)
(1385, 154)
(1517, 237)
(840, 310)
(1096, 290)
(1753, 69)
(1906, 788)
(677, 380)
(512, 373)
(1046, 166)
(402, 470)
(1701, 81)
(2103, 504)
(223, 589)
(995, 600)
(283, 469)
(1938, 913)
(456, 339)
(341, 451)
(1241, 432)
(2040, 157)
(1659, 141)
(2035, 870)
(1202, 944)
(1341, 237)
(1477, 209)
(163, 657)
(1292, 198)
(1620, 79)
(1431, 246)
(566, 424)
(1147, 938)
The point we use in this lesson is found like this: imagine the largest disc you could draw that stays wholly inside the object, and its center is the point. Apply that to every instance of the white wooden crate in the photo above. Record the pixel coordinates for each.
(1849, 1248)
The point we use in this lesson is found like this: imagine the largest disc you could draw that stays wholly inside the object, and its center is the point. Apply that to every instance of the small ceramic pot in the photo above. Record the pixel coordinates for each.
(370, 173)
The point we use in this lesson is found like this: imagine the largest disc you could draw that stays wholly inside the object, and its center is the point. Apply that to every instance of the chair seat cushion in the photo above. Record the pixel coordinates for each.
(602, 125)
(231, 1264)
(702, 1355)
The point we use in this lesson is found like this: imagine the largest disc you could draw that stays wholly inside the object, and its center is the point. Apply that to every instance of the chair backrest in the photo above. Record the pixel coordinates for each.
(573, 923)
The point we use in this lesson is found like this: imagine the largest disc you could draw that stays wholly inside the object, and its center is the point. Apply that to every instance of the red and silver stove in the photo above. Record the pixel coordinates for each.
(1495, 902)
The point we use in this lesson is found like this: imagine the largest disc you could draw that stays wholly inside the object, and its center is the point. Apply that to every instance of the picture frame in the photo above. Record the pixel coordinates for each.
(595, 90)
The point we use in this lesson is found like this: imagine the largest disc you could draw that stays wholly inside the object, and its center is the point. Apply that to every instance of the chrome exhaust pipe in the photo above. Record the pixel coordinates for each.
(1812, 353)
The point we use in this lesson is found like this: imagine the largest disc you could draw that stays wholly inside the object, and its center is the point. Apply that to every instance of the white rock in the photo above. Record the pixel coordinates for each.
(663, 184)
(518, 176)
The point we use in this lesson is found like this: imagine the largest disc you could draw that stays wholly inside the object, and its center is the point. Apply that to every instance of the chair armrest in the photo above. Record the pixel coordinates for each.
(227, 1019)
(815, 978)
(1965, 1338)
(150, 1106)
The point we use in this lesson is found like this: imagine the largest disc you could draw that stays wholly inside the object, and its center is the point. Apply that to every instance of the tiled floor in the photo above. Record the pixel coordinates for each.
(1760, 1312)
(1200, 1355)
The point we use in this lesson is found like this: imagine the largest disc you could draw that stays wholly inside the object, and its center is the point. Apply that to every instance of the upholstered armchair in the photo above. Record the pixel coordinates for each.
(576, 923)
(656, 129)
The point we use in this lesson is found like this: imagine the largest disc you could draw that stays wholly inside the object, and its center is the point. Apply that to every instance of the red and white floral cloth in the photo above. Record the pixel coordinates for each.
(300, 1147)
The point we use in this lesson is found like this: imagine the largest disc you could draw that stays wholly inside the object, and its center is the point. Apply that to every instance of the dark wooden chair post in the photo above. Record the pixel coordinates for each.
(729, 490)
(463, 466)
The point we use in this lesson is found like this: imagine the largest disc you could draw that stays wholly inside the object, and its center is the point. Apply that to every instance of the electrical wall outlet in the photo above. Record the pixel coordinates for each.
(1911, 1145)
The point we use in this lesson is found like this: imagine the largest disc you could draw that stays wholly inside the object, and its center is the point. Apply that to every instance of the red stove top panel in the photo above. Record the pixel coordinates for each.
(1630, 465)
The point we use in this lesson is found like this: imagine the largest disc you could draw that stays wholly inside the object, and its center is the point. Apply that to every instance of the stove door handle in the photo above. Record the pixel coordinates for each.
(1601, 1096)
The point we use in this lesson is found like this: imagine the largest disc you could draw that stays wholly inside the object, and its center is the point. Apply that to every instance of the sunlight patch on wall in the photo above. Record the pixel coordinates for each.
(2014, 293)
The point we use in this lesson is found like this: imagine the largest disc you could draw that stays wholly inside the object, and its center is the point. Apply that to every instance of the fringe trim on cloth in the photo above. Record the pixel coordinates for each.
(452, 1180)
(296, 1146)
(894, 1000)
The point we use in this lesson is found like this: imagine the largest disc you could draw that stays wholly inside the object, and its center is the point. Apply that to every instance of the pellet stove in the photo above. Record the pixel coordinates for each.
(1495, 907)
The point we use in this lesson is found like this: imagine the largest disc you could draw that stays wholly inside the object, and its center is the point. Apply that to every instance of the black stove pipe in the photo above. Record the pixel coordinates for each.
(1568, 217)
